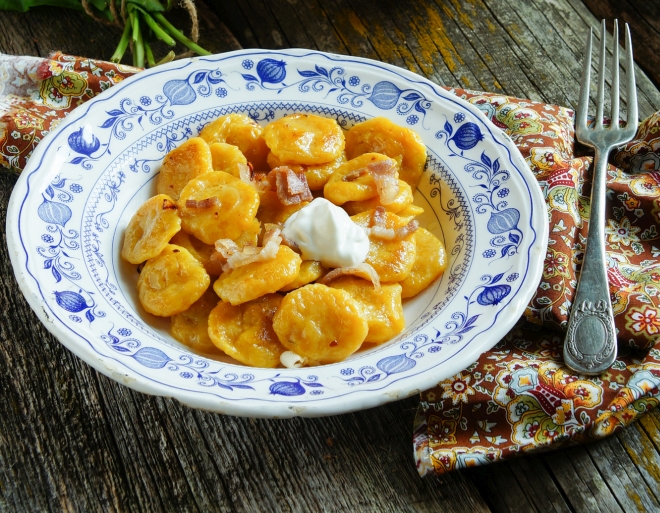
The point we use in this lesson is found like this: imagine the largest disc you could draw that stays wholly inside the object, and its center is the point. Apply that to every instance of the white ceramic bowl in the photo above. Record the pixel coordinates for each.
(85, 180)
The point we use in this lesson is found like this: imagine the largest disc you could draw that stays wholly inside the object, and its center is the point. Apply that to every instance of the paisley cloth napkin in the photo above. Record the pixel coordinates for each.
(518, 397)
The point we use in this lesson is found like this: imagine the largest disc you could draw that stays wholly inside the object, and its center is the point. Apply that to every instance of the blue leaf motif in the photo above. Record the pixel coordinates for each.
(108, 122)
(250, 78)
(496, 278)
(214, 80)
(375, 377)
(271, 71)
(496, 165)
(56, 274)
(179, 92)
(321, 71)
(514, 237)
(114, 112)
(308, 74)
(501, 222)
(70, 301)
(485, 159)
(385, 95)
(54, 213)
(84, 141)
(121, 349)
(467, 136)
(243, 387)
(77, 160)
(448, 128)
(313, 385)
(50, 192)
(288, 388)
(419, 108)
(89, 315)
(395, 364)
(199, 77)
(493, 295)
(48, 263)
(151, 357)
(412, 96)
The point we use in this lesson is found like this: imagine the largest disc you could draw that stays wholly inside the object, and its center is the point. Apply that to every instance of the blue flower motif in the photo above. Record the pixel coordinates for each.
(489, 253)
(47, 238)
(221, 92)
(124, 332)
(145, 100)
(434, 349)
(74, 187)
(412, 119)
(75, 318)
(186, 375)
(512, 277)
(247, 64)
(467, 136)
(346, 372)
(503, 193)
(71, 301)
(83, 141)
(179, 92)
(493, 295)
(459, 117)
(354, 81)
(271, 71)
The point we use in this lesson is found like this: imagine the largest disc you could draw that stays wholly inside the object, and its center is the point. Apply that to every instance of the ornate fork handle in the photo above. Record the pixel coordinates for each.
(591, 339)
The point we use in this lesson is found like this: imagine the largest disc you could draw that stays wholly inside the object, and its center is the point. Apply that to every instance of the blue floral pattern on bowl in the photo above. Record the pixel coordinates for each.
(85, 180)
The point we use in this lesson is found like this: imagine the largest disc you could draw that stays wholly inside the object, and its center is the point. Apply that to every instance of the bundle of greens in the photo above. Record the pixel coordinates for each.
(142, 21)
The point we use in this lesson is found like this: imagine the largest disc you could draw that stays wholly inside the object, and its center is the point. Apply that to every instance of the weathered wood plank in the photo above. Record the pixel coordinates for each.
(580, 481)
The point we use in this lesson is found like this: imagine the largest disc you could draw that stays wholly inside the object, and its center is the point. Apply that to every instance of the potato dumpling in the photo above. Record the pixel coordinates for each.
(230, 208)
(409, 212)
(182, 164)
(381, 308)
(392, 259)
(201, 251)
(171, 282)
(430, 263)
(245, 332)
(242, 131)
(227, 157)
(150, 229)
(383, 136)
(402, 200)
(317, 176)
(192, 328)
(339, 191)
(255, 279)
(322, 324)
(271, 209)
(310, 270)
(304, 139)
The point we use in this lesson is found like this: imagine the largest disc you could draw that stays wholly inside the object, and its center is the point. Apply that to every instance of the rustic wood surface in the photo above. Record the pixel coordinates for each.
(72, 439)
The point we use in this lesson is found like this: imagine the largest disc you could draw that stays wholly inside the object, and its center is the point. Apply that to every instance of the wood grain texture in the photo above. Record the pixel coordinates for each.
(71, 439)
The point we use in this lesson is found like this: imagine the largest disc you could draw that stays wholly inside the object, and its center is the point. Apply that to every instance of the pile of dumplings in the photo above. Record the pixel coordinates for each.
(211, 254)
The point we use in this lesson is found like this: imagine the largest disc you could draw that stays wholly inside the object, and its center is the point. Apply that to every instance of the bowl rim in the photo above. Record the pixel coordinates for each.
(310, 408)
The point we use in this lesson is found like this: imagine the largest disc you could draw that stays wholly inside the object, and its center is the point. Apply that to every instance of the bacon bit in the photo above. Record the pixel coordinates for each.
(291, 187)
(385, 177)
(248, 175)
(205, 203)
(237, 257)
(168, 205)
(380, 230)
(334, 343)
(354, 175)
(290, 244)
(363, 270)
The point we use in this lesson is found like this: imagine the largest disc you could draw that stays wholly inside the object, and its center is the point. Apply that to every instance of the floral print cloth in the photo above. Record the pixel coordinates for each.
(518, 397)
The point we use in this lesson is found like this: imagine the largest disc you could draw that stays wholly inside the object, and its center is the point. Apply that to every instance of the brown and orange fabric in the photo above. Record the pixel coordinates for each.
(519, 396)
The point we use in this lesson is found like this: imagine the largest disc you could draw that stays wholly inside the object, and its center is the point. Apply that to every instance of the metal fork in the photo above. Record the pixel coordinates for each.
(590, 346)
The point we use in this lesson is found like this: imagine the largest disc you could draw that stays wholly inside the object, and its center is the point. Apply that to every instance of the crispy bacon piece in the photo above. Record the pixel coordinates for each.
(237, 257)
(213, 201)
(169, 205)
(291, 187)
(380, 230)
(385, 177)
(363, 270)
(248, 175)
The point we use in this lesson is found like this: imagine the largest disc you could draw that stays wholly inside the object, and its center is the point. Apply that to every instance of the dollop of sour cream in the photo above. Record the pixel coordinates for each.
(325, 232)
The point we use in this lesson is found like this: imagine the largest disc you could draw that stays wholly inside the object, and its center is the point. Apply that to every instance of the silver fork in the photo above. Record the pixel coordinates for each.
(590, 345)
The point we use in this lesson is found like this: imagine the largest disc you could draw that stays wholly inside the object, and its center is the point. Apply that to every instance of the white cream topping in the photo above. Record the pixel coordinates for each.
(325, 232)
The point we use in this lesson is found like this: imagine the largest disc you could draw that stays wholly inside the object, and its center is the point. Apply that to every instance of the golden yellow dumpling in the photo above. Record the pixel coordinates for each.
(182, 164)
(242, 131)
(430, 263)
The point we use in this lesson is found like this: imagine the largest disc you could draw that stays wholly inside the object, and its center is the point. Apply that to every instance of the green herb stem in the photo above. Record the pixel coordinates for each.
(178, 35)
(123, 44)
(139, 44)
(157, 29)
(168, 58)
(150, 56)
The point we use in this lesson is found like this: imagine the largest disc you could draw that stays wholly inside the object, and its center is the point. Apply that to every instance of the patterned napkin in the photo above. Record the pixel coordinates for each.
(517, 397)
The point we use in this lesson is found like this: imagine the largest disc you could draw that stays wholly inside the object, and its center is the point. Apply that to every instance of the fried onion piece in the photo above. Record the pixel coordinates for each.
(363, 270)
(380, 230)
(237, 257)
(248, 175)
(386, 178)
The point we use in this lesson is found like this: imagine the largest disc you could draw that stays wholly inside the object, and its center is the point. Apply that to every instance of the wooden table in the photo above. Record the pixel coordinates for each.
(66, 441)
